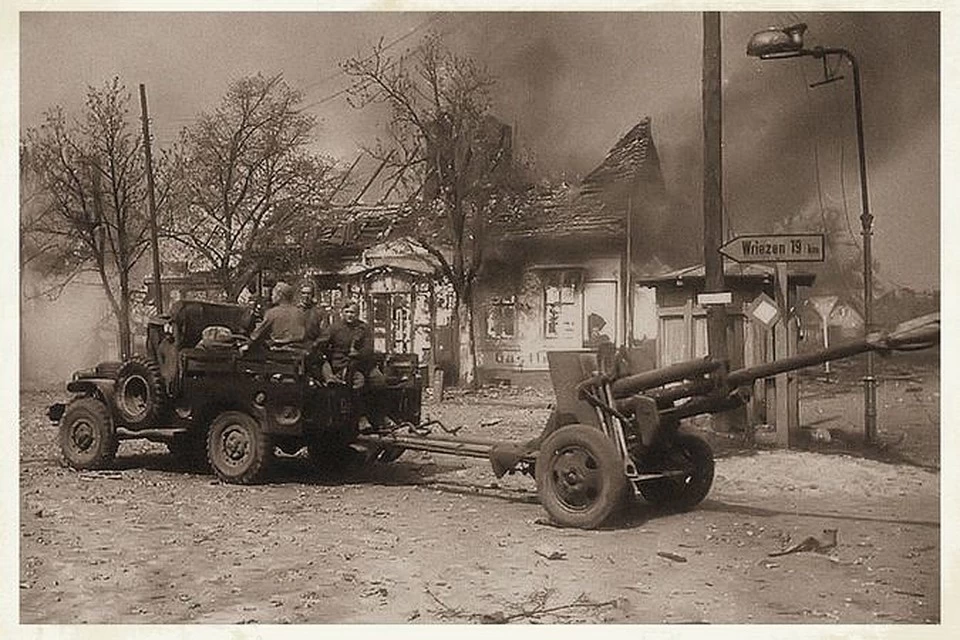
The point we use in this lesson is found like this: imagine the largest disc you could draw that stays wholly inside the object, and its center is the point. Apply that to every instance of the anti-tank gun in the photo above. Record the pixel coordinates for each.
(614, 434)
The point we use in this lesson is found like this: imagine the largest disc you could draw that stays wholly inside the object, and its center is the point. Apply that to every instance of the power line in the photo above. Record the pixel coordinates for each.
(387, 46)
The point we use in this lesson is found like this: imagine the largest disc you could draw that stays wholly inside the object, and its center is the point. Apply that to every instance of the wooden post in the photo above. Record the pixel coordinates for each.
(788, 421)
(151, 201)
(713, 183)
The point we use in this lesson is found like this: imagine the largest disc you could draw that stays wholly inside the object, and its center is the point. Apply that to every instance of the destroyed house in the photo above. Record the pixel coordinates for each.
(561, 276)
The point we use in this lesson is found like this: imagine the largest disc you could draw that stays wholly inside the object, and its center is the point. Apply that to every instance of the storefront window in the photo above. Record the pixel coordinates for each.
(561, 296)
(502, 317)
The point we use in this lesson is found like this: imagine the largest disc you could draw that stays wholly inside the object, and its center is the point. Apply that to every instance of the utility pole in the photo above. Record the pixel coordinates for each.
(713, 184)
(151, 201)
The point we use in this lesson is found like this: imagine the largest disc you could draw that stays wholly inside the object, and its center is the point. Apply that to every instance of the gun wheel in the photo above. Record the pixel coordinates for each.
(580, 478)
(693, 458)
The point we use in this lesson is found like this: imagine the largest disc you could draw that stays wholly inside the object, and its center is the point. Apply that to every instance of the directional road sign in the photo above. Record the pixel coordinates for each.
(787, 247)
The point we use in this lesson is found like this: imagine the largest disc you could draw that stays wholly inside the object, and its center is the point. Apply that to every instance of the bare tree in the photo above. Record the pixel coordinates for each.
(246, 180)
(85, 210)
(455, 157)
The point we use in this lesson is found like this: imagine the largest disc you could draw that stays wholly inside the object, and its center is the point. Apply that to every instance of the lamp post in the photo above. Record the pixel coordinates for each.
(787, 42)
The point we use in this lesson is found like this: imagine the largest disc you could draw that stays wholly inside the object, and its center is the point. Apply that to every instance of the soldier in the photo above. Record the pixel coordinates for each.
(307, 301)
(348, 347)
(282, 324)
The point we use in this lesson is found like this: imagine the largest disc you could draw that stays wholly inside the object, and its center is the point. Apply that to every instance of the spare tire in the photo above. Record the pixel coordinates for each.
(138, 395)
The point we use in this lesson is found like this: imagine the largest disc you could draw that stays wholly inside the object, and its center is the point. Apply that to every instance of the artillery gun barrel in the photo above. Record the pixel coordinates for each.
(667, 395)
(710, 394)
(631, 385)
(919, 333)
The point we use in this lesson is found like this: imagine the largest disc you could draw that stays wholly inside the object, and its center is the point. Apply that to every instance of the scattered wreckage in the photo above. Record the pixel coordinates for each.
(612, 435)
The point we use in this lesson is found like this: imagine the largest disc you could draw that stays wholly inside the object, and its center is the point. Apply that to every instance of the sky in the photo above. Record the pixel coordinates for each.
(570, 83)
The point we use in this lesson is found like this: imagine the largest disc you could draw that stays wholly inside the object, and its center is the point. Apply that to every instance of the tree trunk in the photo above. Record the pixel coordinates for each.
(126, 338)
(455, 340)
(471, 378)
(467, 349)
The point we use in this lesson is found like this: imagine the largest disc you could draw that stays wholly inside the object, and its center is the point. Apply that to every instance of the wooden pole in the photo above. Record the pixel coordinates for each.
(713, 183)
(151, 201)
(713, 197)
(786, 382)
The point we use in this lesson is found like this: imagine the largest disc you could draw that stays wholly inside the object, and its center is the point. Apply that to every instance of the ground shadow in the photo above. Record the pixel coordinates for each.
(766, 512)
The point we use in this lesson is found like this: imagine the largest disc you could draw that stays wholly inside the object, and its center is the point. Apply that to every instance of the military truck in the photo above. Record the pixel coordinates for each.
(212, 402)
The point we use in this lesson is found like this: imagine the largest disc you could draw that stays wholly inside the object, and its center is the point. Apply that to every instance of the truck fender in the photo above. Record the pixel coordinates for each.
(96, 387)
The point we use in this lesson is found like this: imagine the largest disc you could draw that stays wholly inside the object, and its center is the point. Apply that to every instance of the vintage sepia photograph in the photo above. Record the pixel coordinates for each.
(446, 317)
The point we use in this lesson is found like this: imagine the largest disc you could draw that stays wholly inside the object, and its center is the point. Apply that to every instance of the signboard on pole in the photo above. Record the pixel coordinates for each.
(788, 247)
(764, 310)
(717, 297)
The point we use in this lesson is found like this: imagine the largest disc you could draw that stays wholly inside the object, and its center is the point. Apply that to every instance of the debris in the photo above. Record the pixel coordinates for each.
(811, 543)
(551, 554)
(581, 601)
(447, 611)
(546, 522)
(95, 475)
(671, 556)
(914, 594)
(497, 617)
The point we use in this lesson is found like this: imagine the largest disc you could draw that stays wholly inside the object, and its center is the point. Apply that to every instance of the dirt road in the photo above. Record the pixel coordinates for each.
(435, 539)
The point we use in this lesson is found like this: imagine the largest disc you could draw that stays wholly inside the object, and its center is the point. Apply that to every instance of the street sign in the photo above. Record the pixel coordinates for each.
(824, 305)
(764, 310)
(717, 297)
(786, 247)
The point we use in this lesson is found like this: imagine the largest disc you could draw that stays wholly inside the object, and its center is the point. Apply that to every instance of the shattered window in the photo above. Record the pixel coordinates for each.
(502, 317)
(561, 303)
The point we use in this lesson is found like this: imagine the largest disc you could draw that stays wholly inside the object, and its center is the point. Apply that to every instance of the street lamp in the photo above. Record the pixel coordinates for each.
(787, 42)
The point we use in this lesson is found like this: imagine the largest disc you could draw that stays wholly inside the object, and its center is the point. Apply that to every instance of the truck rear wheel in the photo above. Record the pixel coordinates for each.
(580, 477)
(88, 439)
(237, 448)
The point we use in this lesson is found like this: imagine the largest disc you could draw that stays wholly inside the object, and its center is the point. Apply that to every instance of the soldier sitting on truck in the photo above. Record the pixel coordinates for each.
(307, 301)
(283, 324)
(348, 347)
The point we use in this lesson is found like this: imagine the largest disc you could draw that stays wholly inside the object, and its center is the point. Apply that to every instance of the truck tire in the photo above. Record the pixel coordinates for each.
(687, 453)
(580, 477)
(237, 448)
(88, 439)
(139, 394)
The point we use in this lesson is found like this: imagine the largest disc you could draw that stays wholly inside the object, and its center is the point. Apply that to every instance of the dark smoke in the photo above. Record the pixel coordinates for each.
(574, 83)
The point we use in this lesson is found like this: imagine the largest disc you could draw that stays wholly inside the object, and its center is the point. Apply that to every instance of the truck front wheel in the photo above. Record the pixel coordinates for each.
(88, 439)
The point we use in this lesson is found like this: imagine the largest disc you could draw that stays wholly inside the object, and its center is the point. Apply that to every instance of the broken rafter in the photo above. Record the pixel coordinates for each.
(376, 173)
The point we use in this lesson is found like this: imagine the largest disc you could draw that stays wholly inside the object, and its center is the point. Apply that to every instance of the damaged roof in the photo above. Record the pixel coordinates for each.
(598, 205)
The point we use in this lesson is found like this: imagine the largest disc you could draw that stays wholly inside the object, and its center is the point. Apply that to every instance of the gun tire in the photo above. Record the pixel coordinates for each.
(687, 453)
(580, 477)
